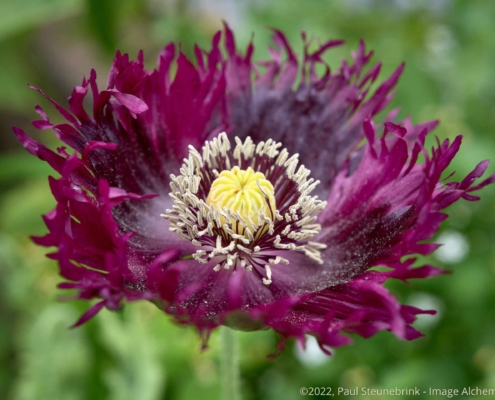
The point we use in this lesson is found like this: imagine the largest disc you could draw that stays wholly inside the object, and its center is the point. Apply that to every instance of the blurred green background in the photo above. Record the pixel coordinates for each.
(449, 50)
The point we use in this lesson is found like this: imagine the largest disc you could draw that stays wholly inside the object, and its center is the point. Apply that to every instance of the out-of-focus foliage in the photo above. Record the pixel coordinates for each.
(449, 50)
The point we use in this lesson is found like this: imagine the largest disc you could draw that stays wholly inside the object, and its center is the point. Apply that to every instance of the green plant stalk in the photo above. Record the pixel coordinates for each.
(229, 364)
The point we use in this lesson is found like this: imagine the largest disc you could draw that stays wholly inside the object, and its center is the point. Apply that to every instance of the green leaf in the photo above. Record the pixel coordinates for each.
(102, 18)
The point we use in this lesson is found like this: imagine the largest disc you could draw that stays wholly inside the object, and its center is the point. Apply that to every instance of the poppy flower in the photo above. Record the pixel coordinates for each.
(248, 194)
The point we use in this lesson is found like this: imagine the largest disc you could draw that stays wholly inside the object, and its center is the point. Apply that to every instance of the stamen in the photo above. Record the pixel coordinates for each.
(268, 279)
(232, 215)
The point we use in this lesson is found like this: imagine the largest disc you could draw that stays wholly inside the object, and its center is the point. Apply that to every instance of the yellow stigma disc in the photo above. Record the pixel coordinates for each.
(244, 192)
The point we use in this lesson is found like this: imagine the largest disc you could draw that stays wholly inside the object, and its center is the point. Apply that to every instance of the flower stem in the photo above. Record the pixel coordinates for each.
(229, 364)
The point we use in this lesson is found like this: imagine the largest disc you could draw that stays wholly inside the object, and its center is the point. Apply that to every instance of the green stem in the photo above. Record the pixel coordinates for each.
(229, 364)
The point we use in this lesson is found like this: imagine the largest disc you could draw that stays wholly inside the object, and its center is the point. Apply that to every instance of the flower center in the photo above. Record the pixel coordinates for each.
(244, 192)
(250, 215)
